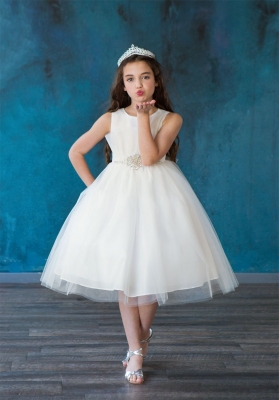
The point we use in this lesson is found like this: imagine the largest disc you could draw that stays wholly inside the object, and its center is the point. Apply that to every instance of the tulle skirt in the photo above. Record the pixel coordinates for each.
(139, 236)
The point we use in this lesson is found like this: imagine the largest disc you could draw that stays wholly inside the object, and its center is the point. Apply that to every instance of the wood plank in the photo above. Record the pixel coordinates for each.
(69, 348)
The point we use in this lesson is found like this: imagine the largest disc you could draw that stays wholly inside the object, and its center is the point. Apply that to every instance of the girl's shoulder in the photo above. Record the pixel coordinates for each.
(107, 115)
(104, 122)
(106, 118)
(172, 117)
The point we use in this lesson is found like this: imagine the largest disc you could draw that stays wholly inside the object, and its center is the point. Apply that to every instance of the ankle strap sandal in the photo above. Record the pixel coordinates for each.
(139, 371)
(149, 337)
(127, 358)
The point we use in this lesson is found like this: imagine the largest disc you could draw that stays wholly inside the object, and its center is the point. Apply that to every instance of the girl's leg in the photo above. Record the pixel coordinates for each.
(137, 321)
(146, 315)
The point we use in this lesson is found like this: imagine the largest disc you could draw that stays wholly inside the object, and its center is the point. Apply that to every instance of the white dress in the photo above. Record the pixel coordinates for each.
(138, 233)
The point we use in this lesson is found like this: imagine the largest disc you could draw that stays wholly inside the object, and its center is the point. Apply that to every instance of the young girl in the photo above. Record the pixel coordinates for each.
(138, 234)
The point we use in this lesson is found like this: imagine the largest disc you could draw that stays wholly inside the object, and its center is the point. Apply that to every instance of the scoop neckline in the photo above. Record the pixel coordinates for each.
(134, 116)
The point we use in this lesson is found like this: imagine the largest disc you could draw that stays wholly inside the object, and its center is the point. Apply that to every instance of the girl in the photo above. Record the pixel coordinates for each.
(138, 234)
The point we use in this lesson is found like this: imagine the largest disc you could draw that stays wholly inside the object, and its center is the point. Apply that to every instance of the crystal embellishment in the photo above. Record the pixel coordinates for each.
(133, 161)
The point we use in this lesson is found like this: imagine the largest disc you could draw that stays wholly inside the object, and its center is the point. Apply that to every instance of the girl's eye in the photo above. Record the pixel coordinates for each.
(145, 76)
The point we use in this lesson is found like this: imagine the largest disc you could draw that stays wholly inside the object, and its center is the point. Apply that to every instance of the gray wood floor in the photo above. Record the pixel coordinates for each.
(67, 347)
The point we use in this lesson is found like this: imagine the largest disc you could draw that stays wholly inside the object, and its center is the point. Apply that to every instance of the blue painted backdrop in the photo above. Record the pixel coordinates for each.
(220, 58)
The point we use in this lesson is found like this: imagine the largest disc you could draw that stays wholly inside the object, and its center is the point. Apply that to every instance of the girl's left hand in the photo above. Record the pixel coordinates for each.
(145, 107)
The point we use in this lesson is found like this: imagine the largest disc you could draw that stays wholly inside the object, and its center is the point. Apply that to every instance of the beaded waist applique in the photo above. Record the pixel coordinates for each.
(133, 161)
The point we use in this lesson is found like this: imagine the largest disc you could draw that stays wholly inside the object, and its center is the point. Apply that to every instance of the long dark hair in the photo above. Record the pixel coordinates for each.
(119, 97)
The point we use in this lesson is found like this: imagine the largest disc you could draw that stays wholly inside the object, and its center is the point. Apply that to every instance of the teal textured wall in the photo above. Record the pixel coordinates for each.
(221, 66)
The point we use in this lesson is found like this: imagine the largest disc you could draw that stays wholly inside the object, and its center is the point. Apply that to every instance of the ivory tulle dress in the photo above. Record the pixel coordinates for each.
(138, 233)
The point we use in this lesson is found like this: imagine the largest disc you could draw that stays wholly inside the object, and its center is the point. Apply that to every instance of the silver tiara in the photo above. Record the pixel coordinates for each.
(135, 50)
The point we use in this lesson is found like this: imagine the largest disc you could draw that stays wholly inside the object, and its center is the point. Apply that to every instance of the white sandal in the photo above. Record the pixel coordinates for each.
(139, 371)
(127, 358)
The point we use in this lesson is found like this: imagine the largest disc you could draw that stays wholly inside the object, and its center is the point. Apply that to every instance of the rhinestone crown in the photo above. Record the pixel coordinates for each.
(135, 50)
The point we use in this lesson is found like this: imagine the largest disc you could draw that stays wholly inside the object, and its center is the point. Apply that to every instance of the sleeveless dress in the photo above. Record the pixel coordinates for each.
(138, 233)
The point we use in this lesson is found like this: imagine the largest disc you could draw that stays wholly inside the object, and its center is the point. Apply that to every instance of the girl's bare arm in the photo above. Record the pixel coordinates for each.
(85, 143)
(152, 150)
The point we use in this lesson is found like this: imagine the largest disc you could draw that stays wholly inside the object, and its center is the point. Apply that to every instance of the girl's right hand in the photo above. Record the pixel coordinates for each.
(145, 107)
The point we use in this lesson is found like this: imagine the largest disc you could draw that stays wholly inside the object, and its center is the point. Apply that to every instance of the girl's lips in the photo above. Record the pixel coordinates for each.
(140, 93)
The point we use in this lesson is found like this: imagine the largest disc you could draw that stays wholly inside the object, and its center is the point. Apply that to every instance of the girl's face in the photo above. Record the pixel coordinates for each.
(139, 81)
